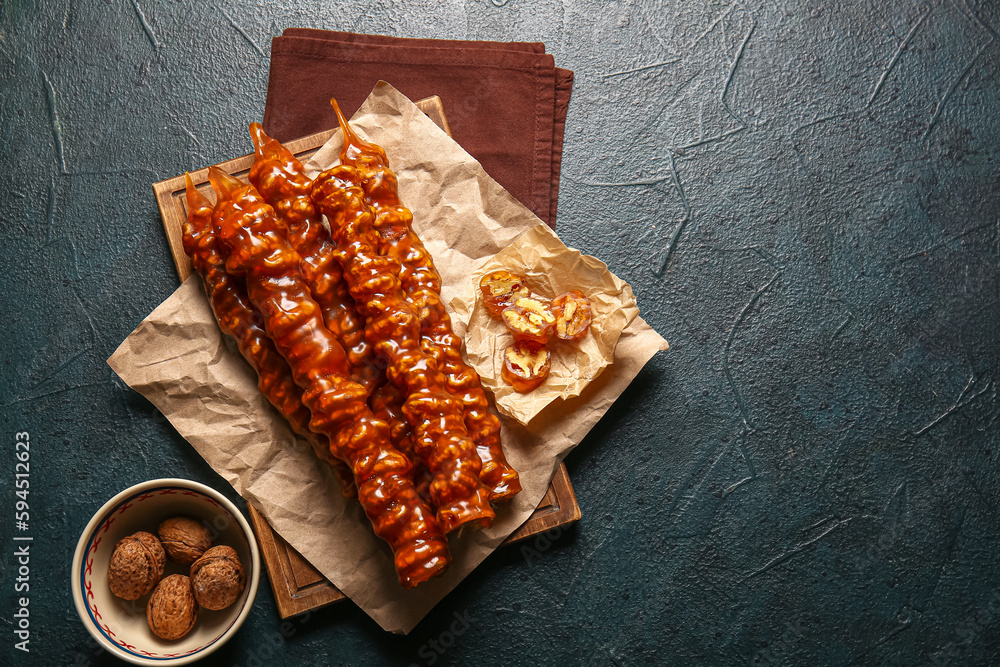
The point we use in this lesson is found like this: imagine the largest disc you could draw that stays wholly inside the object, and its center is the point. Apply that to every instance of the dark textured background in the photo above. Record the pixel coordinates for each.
(804, 197)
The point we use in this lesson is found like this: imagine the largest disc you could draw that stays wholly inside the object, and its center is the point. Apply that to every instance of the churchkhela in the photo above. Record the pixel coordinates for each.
(393, 329)
(256, 247)
(320, 312)
(421, 286)
(280, 178)
(532, 321)
(239, 319)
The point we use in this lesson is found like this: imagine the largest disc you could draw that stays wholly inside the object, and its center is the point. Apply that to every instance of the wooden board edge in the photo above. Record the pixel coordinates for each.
(563, 512)
(290, 602)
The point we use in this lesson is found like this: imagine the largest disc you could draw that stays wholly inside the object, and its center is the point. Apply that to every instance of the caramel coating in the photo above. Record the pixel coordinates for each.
(387, 404)
(172, 611)
(500, 288)
(258, 249)
(525, 365)
(184, 539)
(281, 180)
(421, 286)
(393, 329)
(136, 565)
(218, 578)
(239, 319)
(529, 319)
(573, 315)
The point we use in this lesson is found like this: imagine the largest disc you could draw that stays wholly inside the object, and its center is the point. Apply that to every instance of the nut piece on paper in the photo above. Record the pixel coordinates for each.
(551, 269)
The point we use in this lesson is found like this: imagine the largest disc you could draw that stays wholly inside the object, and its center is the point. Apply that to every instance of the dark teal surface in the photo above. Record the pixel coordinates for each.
(804, 196)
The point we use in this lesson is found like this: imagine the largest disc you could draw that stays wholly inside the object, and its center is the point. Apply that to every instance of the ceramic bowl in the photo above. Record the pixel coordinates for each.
(119, 625)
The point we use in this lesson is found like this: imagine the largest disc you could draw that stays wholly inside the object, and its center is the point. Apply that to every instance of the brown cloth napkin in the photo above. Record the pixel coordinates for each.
(506, 102)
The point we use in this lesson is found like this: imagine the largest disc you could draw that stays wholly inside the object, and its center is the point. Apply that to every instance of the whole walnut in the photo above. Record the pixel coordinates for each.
(184, 538)
(218, 578)
(172, 610)
(136, 565)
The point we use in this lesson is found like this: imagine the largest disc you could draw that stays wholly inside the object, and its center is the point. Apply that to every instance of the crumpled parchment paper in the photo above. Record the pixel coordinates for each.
(178, 359)
(551, 269)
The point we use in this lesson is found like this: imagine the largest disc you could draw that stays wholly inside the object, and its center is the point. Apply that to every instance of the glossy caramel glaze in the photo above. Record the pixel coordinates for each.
(281, 180)
(256, 247)
(239, 319)
(573, 314)
(440, 436)
(387, 403)
(526, 365)
(500, 288)
(421, 286)
(530, 319)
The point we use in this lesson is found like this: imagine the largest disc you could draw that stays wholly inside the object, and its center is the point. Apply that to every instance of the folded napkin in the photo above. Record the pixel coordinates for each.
(506, 102)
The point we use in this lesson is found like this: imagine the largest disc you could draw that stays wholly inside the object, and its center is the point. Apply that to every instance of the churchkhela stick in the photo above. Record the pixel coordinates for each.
(393, 329)
(280, 178)
(239, 319)
(258, 249)
(421, 285)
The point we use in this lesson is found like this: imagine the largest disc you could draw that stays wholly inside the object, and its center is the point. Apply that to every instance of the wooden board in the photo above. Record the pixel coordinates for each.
(298, 587)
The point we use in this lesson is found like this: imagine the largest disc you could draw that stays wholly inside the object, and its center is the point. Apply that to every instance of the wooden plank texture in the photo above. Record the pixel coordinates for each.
(298, 587)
